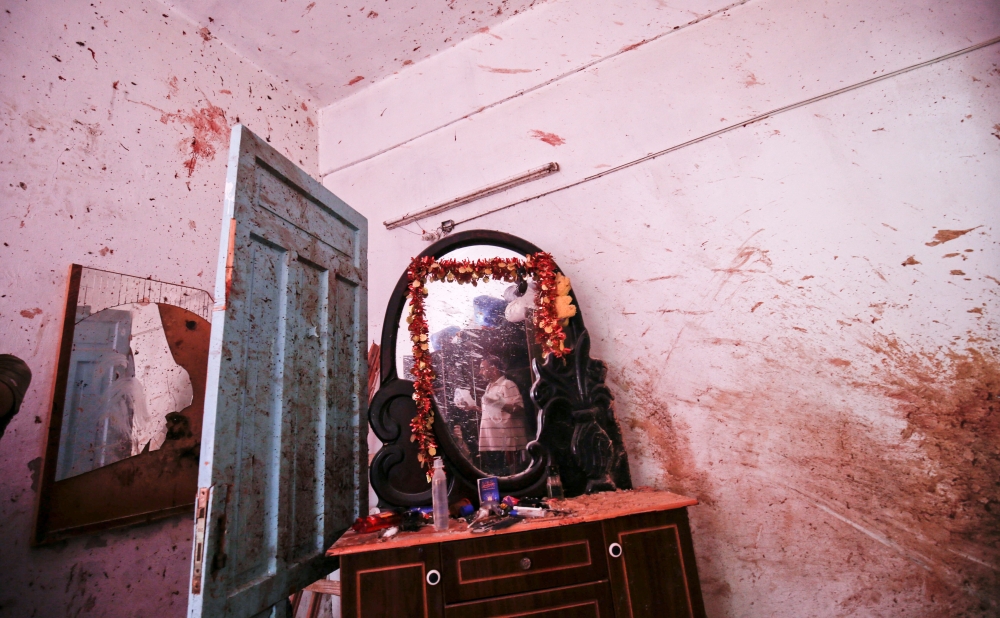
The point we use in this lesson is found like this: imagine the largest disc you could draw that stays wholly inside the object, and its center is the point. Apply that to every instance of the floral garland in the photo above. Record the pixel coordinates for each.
(551, 305)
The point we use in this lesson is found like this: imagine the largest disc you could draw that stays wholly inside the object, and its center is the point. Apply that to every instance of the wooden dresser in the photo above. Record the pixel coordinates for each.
(624, 554)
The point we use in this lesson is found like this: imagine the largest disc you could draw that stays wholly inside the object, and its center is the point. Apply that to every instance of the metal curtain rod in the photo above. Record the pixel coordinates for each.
(732, 127)
(503, 185)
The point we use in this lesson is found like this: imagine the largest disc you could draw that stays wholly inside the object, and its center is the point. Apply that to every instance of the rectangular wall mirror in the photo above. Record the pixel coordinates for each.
(125, 429)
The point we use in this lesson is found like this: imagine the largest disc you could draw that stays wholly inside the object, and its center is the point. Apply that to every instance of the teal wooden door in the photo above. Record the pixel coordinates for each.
(283, 452)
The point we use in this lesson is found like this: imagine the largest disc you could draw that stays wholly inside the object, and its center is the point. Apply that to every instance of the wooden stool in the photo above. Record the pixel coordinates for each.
(318, 589)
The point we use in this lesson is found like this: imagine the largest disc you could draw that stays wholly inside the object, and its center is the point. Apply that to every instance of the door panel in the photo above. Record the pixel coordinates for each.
(283, 445)
(258, 408)
(655, 574)
(308, 213)
(307, 332)
(346, 442)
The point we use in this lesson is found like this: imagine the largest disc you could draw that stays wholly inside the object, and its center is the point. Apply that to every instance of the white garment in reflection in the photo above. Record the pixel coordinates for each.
(166, 384)
(146, 386)
(499, 430)
(122, 403)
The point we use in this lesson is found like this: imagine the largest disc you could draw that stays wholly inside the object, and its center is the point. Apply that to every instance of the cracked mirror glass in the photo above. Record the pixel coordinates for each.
(129, 387)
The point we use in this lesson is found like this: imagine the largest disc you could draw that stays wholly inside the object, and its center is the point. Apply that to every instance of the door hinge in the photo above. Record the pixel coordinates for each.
(230, 260)
(200, 525)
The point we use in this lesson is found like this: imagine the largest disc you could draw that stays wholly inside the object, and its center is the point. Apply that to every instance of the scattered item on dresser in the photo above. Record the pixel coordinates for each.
(415, 519)
(535, 502)
(374, 523)
(489, 491)
(527, 511)
(493, 522)
(508, 503)
(480, 515)
(509, 511)
(462, 508)
(388, 533)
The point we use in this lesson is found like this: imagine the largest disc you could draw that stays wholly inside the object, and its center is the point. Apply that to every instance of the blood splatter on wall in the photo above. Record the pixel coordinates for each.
(797, 309)
(115, 127)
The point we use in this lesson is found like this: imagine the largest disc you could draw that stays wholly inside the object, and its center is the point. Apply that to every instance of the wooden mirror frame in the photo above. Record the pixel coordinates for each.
(138, 489)
(577, 428)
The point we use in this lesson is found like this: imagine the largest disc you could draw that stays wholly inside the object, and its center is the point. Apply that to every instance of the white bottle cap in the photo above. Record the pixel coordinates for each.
(438, 463)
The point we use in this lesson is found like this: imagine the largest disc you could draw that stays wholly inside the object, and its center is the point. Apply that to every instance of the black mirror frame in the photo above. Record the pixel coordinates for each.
(577, 428)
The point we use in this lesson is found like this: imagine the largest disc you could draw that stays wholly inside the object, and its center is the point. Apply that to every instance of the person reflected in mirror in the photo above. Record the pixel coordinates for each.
(503, 431)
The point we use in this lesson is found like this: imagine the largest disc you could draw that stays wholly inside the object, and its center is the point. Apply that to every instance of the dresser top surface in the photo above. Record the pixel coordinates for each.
(595, 507)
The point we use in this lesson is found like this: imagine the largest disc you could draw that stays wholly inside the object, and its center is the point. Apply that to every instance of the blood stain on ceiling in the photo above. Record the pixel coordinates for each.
(320, 48)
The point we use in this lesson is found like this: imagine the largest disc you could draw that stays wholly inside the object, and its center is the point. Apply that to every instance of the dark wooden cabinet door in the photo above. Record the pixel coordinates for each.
(591, 600)
(654, 573)
(512, 563)
(392, 583)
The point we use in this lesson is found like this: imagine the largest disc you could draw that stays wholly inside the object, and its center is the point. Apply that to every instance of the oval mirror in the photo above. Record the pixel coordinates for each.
(498, 408)
(482, 342)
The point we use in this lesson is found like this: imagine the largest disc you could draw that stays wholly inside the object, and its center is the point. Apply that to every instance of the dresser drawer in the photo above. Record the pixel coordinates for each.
(591, 600)
(513, 563)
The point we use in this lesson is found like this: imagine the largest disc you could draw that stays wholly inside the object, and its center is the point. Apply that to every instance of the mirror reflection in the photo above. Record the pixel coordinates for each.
(128, 390)
(481, 345)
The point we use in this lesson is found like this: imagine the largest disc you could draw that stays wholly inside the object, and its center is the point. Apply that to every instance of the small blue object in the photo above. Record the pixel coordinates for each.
(489, 490)
(467, 510)
(443, 336)
(488, 311)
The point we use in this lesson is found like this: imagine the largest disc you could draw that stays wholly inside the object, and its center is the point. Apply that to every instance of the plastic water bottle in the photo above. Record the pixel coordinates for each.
(439, 496)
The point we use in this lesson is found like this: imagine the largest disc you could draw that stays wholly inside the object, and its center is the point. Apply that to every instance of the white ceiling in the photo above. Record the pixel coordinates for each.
(322, 46)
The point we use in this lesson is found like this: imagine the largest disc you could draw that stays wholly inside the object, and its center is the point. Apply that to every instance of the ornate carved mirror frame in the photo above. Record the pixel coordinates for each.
(577, 428)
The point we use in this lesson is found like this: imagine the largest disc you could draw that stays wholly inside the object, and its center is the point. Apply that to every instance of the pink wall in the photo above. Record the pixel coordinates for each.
(774, 349)
(114, 156)
(793, 334)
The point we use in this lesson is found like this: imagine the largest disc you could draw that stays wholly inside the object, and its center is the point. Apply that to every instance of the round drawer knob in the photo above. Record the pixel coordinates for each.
(433, 577)
(615, 550)
(525, 563)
